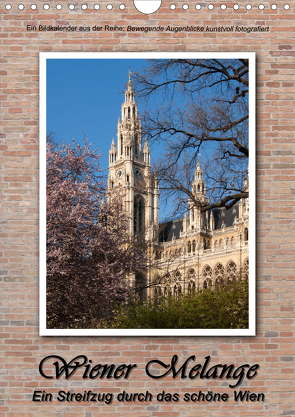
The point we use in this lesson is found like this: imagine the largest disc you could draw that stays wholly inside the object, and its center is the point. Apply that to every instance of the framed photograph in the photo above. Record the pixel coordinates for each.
(147, 194)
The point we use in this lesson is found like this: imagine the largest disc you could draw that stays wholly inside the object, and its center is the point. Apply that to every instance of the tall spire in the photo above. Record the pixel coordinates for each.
(129, 93)
(129, 126)
(199, 185)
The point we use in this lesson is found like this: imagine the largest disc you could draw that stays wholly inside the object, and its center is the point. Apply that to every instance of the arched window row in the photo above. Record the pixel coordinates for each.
(211, 278)
(229, 272)
(174, 291)
(113, 157)
(130, 110)
(217, 283)
(191, 246)
(208, 283)
(191, 288)
(229, 242)
(169, 253)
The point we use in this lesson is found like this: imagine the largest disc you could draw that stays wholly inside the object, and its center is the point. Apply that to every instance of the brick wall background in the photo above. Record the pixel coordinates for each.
(21, 347)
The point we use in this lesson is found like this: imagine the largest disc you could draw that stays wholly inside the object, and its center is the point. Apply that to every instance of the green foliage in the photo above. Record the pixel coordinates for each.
(225, 308)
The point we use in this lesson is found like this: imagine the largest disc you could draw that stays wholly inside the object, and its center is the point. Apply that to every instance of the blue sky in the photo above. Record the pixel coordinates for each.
(85, 95)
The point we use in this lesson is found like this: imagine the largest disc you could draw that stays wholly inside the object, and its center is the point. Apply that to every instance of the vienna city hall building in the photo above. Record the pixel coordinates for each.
(198, 251)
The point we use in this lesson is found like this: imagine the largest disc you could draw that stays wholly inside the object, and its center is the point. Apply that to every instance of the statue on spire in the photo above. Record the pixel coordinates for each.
(129, 74)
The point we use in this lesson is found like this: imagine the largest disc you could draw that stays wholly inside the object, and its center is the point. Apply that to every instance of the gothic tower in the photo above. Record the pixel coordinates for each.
(130, 172)
(197, 221)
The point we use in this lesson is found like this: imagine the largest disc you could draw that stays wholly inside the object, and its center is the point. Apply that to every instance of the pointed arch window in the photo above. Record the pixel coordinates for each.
(207, 273)
(177, 291)
(231, 270)
(189, 247)
(219, 271)
(191, 287)
(139, 216)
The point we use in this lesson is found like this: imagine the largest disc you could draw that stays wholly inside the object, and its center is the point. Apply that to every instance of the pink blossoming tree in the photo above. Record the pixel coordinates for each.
(89, 251)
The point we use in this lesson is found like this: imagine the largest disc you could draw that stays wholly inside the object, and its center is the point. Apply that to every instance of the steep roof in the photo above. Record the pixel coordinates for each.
(225, 218)
(170, 230)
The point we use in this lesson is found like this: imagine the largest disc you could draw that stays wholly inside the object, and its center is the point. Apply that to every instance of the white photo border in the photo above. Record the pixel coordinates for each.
(43, 330)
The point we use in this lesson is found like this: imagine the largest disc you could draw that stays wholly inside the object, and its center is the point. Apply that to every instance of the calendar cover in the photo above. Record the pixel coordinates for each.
(147, 208)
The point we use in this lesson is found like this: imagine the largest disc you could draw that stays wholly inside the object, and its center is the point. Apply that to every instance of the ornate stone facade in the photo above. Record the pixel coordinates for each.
(200, 250)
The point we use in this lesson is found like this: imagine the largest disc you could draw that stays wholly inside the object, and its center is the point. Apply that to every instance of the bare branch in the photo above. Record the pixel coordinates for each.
(222, 203)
